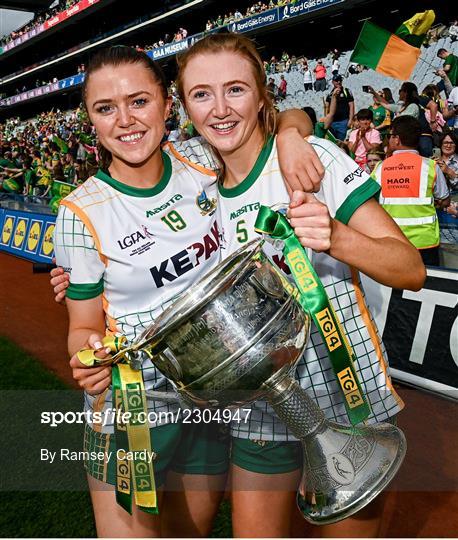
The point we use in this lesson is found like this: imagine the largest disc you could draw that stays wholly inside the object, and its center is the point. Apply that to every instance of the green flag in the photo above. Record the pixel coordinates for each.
(384, 52)
(414, 30)
(63, 147)
(86, 139)
(61, 189)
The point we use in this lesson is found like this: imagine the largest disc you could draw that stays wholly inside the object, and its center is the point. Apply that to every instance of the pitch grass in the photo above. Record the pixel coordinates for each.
(52, 514)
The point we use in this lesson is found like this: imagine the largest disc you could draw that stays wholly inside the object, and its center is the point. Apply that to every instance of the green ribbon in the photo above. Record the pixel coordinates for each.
(123, 469)
(315, 301)
(134, 475)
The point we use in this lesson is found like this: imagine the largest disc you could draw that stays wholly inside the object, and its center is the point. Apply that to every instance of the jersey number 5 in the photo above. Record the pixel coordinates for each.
(174, 221)
(242, 233)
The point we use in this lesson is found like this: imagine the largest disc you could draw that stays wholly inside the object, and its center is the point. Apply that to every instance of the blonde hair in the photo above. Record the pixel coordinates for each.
(244, 47)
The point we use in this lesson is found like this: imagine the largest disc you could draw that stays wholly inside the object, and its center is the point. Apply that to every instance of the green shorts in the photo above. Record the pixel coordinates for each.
(267, 457)
(183, 448)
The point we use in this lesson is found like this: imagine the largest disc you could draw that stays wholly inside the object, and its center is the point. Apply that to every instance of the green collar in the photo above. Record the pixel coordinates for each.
(139, 192)
(253, 174)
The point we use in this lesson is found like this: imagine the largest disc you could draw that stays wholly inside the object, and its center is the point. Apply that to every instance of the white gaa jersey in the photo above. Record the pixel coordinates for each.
(344, 188)
(139, 249)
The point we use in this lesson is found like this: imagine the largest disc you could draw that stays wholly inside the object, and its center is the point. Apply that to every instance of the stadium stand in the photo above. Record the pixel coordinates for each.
(422, 75)
(169, 39)
(48, 146)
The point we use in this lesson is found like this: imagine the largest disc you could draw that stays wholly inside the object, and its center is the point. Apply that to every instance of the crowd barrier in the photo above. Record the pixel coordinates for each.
(248, 24)
(448, 228)
(28, 235)
(419, 329)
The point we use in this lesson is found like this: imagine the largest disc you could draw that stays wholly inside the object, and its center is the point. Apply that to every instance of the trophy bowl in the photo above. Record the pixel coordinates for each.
(235, 337)
(229, 333)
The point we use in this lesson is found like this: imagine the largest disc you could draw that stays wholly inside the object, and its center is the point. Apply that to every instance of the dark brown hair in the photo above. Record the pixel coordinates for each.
(116, 56)
(445, 135)
(408, 129)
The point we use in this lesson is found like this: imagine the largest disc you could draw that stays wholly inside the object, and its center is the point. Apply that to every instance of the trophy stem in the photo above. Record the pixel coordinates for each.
(345, 467)
(295, 407)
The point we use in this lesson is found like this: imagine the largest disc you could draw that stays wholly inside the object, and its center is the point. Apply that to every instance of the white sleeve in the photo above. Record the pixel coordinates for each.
(76, 252)
(453, 97)
(441, 190)
(198, 151)
(345, 186)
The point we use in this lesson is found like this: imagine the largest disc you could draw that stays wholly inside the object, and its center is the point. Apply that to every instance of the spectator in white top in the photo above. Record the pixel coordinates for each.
(308, 78)
(453, 31)
(335, 67)
(452, 111)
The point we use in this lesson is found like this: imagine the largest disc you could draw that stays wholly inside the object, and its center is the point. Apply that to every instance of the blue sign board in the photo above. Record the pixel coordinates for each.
(27, 235)
(256, 21)
(71, 81)
(303, 7)
(169, 49)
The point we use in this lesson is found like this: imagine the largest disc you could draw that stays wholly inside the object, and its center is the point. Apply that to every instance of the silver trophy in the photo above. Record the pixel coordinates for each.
(235, 337)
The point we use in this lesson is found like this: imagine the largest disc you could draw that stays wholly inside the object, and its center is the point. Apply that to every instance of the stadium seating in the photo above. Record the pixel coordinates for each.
(422, 75)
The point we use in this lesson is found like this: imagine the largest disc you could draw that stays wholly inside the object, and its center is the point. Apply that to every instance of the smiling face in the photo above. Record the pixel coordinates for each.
(223, 101)
(448, 146)
(128, 110)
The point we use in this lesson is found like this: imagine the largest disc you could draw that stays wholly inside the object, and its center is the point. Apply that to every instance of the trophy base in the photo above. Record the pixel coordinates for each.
(346, 481)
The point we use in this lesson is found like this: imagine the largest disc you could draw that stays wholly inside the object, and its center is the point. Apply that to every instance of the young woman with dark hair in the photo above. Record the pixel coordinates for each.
(129, 239)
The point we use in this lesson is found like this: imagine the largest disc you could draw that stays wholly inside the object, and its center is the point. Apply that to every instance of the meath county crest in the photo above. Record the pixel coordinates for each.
(206, 205)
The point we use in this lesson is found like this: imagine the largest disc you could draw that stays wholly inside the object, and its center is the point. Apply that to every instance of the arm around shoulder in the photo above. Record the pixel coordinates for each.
(299, 163)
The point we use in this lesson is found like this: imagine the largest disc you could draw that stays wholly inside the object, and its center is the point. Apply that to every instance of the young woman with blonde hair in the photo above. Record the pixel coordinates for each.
(221, 82)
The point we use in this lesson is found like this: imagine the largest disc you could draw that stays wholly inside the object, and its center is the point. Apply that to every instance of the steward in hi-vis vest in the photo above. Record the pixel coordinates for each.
(407, 182)
(411, 188)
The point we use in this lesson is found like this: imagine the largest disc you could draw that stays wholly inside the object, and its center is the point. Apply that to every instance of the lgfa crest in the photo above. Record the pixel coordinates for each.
(206, 205)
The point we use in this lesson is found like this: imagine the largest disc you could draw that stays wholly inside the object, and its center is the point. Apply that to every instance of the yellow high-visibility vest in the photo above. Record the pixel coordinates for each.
(407, 181)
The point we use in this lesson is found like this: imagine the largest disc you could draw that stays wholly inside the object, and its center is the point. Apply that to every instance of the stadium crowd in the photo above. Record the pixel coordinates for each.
(61, 147)
(181, 33)
(41, 155)
(39, 18)
(42, 158)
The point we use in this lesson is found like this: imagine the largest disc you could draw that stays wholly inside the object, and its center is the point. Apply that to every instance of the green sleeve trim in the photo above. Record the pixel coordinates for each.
(359, 196)
(84, 291)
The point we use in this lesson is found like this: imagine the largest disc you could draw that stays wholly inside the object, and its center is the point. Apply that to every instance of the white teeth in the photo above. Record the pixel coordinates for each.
(227, 125)
(130, 138)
